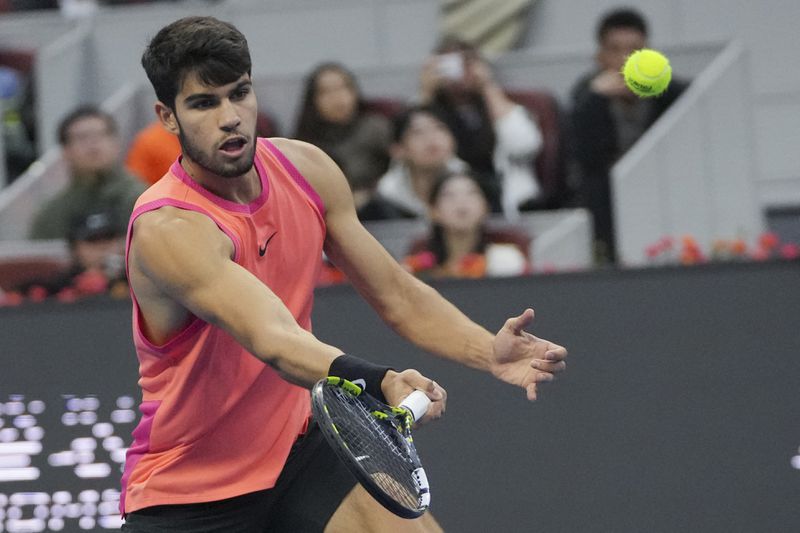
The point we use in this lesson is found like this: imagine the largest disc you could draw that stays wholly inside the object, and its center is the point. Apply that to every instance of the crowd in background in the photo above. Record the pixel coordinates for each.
(67, 7)
(462, 152)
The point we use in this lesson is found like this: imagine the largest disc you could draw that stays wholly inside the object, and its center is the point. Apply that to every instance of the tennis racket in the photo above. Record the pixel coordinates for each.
(374, 441)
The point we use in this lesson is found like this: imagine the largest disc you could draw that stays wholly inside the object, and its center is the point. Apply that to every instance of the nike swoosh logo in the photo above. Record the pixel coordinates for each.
(263, 249)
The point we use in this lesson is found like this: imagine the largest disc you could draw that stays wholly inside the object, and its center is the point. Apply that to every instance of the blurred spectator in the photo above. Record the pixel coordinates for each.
(97, 263)
(17, 139)
(460, 244)
(152, 152)
(25, 5)
(607, 118)
(91, 149)
(333, 116)
(423, 148)
(78, 9)
(495, 136)
(69, 8)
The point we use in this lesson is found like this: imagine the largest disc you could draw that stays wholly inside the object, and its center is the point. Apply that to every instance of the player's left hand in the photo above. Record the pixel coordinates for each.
(523, 359)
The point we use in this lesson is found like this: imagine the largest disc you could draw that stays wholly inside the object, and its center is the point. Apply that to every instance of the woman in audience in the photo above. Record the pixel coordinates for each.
(334, 117)
(460, 243)
(423, 148)
(493, 135)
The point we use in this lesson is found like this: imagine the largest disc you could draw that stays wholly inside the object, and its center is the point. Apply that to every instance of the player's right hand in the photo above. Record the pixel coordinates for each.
(397, 385)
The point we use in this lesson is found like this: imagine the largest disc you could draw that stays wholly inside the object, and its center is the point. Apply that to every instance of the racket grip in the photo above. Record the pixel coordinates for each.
(417, 402)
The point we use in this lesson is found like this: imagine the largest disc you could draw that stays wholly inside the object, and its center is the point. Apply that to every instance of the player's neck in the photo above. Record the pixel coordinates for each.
(241, 189)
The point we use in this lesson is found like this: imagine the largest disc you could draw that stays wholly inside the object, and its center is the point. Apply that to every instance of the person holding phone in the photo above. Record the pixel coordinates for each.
(495, 136)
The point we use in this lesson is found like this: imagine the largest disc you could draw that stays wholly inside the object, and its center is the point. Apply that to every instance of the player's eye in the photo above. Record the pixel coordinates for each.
(241, 92)
(203, 104)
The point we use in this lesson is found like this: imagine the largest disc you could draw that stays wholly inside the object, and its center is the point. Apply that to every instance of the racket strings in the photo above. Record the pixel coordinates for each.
(386, 461)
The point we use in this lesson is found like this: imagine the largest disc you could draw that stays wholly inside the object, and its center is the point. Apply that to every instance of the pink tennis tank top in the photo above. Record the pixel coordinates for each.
(217, 422)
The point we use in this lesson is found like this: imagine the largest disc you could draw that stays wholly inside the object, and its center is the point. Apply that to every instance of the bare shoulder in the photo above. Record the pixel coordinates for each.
(318, 169)
(300, 152)
(168, 235)
(167, 225)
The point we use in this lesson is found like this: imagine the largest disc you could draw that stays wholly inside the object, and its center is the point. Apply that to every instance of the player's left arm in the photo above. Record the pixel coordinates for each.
(410, 307)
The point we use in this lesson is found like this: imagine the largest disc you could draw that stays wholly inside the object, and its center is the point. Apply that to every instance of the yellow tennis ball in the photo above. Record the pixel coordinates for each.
(647, 72)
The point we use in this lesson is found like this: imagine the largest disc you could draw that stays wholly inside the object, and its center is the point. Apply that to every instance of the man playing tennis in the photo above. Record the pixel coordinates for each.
(223, 254)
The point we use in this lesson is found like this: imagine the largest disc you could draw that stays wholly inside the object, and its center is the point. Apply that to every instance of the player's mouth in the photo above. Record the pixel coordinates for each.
(234, 146)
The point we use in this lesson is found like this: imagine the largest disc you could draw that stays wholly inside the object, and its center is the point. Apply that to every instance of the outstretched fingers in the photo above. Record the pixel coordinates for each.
(555, 353)
(544, 370)
(530, 390)
(532, 381)
(550, 367)
(516, 324)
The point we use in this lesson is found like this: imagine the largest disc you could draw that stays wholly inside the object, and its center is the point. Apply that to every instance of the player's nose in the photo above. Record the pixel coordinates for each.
(229, 118)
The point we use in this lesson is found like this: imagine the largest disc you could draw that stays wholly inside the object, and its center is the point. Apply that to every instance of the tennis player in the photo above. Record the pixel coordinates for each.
(223, 254)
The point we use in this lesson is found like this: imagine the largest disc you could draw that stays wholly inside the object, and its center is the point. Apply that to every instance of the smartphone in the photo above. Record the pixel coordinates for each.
(450, 66)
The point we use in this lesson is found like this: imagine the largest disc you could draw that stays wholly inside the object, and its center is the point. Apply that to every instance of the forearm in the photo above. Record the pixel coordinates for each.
(227, 296)
(298, 356)
(266, 329)
(302, 359)
(497, 102)
(425, 318)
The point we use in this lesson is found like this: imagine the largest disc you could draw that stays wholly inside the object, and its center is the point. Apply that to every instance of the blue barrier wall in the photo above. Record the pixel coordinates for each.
(678, 411)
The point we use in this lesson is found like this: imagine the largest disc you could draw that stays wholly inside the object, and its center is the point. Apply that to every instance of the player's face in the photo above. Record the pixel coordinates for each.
(335, 97)
(91, 147)
(617, 45)
(217, 125)
(460, 205)
(427, 143)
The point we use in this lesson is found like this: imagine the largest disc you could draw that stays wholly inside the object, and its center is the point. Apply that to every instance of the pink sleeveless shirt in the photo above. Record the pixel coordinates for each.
(216, 421)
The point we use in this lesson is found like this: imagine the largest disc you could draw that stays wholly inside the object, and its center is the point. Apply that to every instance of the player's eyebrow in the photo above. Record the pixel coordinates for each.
(189, 100)
(242, 84)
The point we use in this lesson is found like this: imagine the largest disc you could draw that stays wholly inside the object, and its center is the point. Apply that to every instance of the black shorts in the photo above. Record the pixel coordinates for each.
(309, 490)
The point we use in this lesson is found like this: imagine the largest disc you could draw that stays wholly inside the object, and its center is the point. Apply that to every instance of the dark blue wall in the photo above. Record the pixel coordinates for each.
(678, 412)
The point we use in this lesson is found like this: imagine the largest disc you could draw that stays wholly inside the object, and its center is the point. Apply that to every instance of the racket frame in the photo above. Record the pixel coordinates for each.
(398, 418)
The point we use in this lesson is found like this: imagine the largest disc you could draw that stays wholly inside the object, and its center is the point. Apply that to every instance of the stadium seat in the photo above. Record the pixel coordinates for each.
(550, 164)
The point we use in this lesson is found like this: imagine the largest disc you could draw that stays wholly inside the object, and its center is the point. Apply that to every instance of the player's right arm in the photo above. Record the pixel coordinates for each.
(181, 263)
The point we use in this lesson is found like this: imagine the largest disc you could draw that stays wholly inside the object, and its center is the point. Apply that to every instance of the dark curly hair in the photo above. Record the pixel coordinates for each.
(215, 50)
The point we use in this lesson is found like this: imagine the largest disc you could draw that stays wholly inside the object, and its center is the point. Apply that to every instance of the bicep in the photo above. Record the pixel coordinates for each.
(189, 260)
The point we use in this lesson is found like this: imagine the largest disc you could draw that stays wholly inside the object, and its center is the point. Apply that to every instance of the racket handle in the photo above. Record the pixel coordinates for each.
(417, 402)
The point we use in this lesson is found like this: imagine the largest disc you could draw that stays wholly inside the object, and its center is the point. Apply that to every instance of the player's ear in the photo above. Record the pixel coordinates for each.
(167, 117)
